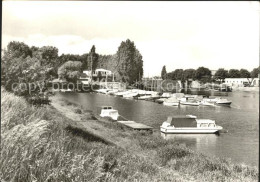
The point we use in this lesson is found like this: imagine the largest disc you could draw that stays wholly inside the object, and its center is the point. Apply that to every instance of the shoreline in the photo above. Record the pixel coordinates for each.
(113, 151)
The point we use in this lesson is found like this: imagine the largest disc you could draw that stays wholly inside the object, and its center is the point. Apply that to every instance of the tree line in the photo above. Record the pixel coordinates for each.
(205, 75)
(24, 64)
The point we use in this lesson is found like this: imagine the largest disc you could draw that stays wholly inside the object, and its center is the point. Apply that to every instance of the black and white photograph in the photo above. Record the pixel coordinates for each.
(130, 91)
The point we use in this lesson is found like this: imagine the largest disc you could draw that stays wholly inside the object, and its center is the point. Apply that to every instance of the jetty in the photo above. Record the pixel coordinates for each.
(134, 125)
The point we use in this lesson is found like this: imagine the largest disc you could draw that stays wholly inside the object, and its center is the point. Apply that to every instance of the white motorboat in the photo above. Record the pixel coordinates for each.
(186, 101)
(112, 92)
(66, 90)
(120, 94)
(166, 95)
(223, 102)
(161, 100)
(206, 103)
(189, 125)
(144, 97)
(108, 111)
(212, 100)
(130, 95)
(172, 101)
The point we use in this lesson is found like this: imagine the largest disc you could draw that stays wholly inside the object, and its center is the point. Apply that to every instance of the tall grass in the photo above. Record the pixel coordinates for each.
(40, 144)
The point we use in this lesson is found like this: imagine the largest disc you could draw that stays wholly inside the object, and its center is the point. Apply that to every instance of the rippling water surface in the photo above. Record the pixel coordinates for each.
(241, 143)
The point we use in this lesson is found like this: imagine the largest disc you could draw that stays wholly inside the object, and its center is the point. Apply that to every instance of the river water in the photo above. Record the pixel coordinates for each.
(240, 144)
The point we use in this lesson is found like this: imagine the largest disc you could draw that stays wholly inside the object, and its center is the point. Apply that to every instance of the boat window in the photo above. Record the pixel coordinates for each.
(211, 125)
(204, 125)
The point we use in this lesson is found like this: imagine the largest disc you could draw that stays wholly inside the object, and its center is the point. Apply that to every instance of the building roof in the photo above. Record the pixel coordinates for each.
(101, 69)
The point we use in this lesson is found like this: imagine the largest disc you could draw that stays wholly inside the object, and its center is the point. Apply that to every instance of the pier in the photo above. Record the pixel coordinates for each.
(134, 125)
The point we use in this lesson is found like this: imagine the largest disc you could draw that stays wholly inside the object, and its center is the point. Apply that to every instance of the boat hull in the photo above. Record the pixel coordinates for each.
(189, 130)
(171, 103)
(190, 103)
(223, 103)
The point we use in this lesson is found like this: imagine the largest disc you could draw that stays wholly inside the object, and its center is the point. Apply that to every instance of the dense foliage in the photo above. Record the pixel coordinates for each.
(129, 62)
(70, 70)
(21, 64)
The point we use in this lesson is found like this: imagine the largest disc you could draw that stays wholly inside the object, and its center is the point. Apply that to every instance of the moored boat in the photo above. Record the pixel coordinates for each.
(186, 101)
(161, 100)
(172, 101)
(223, 102)
(189, 125)
(146, 96)
(206, 103)
(108, 111)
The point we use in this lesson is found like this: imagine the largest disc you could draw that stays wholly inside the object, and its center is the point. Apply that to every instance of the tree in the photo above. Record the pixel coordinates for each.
(93, 59)
(70, 70)
(21, 65)
(234, 73)
(177, 74)
(255, 72)
(189, 74)
(129, 62)
(244, 73)
(164, 73)
(203, 74)
(19, 49)
(221, 74)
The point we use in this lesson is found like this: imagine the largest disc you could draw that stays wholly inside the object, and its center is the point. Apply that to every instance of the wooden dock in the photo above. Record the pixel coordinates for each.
(136, 126)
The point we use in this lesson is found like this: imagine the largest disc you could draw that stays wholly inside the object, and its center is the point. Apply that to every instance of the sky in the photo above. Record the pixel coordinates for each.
(179, 35)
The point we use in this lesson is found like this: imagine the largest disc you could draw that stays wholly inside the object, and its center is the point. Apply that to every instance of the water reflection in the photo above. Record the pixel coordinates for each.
(197, 141)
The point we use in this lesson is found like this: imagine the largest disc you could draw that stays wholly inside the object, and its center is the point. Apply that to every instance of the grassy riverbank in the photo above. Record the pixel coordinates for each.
(64, 142)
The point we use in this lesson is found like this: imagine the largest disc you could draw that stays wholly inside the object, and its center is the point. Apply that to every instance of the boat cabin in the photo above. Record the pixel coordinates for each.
(182, 121)
(108, 111)
(205, 123)
(190, 121)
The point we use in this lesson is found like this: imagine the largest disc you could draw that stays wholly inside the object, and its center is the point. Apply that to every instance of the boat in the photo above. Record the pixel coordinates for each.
(161, 100)
(189, 125)
(146, 96)
(212, 99)
(112, 92)
(154, 96)
(172, 101)
(66, 90)
(223, 102)
(108, 111)
(186, 101)
(120, 94)
(130, 95)
(206, 103)
(166, 95)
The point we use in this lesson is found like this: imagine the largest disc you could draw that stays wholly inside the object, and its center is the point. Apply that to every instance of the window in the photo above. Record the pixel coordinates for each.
(211, 125)
(204, 125)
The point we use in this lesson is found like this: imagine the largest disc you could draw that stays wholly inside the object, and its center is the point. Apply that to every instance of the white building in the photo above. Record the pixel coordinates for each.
(103, 72)
(241, 82)
(85, 78)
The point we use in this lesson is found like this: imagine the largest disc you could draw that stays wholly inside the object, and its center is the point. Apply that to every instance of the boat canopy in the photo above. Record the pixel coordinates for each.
(182, 121)
(202, 121)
